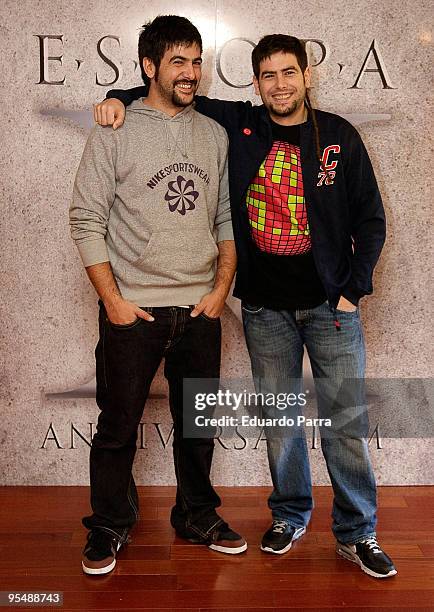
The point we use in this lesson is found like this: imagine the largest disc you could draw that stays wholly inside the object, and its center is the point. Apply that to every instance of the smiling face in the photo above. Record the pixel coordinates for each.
(282, 87)
(175, 81)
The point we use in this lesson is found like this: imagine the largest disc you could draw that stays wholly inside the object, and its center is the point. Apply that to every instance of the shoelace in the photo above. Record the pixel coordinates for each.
(218, 531)
(279, 526)
(372, 544)
(102, 541)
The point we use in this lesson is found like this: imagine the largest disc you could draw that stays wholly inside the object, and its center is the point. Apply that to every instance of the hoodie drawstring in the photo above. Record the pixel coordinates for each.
(167, 136)
(140, 108)
(176, 140)
(336, 320)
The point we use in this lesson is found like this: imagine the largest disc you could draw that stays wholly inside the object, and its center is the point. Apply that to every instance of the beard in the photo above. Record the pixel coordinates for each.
(280, 111)
(177, 100)
(174, 96)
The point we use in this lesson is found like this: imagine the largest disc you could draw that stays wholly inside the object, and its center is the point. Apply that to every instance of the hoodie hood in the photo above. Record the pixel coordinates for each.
(175, 128)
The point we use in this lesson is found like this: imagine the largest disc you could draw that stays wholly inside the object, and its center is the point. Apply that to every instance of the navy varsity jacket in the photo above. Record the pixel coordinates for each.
(344, 207)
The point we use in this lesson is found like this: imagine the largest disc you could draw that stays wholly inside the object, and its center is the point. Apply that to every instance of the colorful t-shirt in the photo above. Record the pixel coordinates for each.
(275, 203)
(284, 272)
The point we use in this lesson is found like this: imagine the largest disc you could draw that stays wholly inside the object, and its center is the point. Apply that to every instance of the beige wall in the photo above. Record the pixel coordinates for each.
(48, 309)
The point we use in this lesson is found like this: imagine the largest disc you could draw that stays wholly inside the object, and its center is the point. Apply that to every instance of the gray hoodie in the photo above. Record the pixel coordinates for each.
(152, 197)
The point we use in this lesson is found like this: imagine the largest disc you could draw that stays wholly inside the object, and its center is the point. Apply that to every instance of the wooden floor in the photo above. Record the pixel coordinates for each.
(41, 541)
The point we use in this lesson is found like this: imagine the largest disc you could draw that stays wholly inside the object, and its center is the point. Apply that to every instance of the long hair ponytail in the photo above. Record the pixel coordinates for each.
(316, 137)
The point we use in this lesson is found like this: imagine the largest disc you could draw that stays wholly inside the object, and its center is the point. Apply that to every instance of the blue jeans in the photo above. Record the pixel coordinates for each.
(127, 358)
(276, 340)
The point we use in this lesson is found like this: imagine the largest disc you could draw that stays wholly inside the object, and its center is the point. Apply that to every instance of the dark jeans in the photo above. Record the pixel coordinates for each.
(127, 358)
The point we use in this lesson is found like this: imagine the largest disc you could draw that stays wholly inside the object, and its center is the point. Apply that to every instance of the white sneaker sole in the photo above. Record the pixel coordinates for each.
(355, 559)
(297, 534)
(229, 551)
(93, 571)
(100, 570)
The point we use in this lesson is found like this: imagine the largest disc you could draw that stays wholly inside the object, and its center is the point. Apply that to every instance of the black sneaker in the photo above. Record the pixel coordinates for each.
(225, 540)
(369, 556)
(279, 538)
(222, 538)
(99, 555)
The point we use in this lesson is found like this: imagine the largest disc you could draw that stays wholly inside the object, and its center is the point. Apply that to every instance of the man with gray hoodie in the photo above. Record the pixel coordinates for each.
(151, 219)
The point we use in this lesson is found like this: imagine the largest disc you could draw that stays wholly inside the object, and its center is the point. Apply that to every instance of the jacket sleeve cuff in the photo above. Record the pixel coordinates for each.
(126, 96)
(225, 231)
(93, 252)
(351, 295)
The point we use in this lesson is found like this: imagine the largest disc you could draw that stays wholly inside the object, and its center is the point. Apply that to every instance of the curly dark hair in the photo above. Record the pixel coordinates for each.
(278, 43)
(163, 33)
